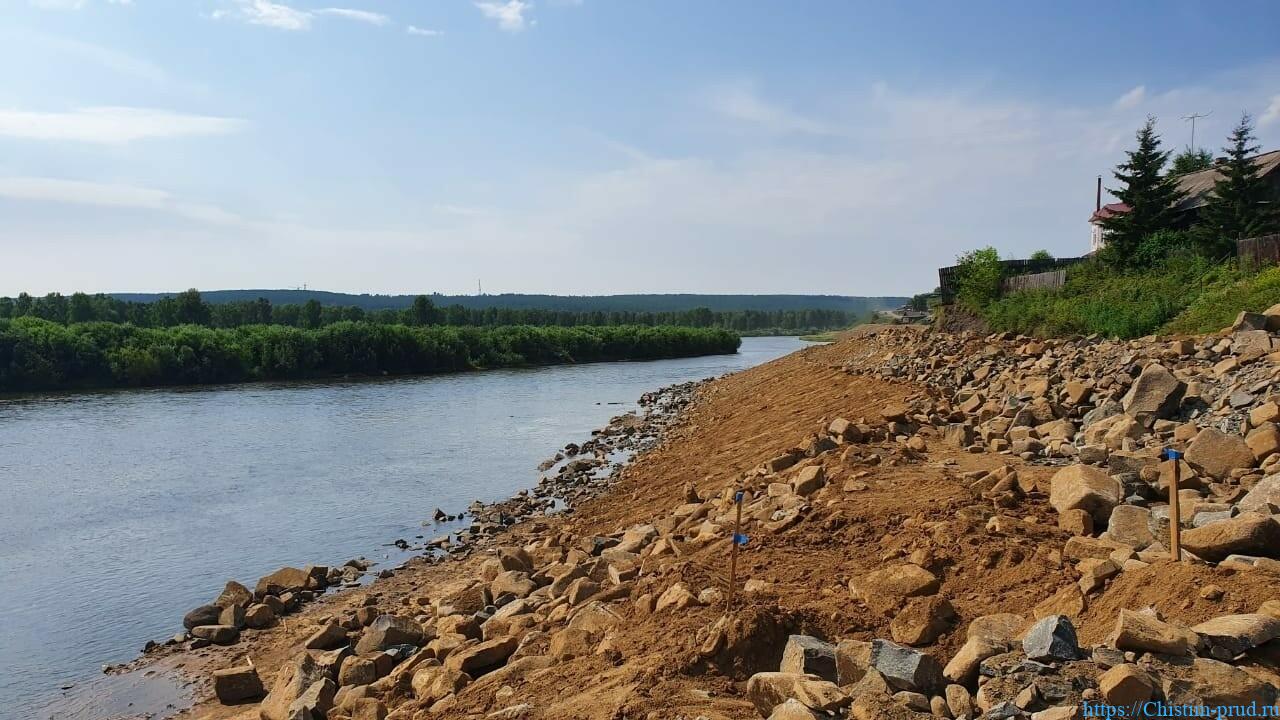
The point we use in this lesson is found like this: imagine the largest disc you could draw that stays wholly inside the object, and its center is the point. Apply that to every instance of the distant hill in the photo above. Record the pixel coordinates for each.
(573, 303)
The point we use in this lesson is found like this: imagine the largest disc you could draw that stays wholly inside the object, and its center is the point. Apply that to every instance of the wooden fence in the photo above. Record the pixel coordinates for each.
(1259, 251)
(948, 276)
(1051, 280)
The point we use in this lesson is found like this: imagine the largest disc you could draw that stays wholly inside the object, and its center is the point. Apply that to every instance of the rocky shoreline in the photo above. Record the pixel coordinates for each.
(574, 474)
(937, 525)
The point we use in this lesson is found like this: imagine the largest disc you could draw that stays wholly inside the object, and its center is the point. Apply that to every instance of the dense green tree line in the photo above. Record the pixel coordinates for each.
(188, 308)
(41, 354)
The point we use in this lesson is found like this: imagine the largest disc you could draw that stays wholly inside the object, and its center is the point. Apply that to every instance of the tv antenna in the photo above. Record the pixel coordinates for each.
(1193, 117)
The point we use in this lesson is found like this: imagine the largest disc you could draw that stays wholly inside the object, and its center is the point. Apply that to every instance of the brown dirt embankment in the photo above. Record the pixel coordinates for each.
(884, 503)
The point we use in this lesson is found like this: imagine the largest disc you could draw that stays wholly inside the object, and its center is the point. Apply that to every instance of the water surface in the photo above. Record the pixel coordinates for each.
(119, 511)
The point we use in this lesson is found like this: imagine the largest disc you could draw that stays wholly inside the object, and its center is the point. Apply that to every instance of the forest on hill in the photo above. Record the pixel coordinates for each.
(652, 303)
(192, 307)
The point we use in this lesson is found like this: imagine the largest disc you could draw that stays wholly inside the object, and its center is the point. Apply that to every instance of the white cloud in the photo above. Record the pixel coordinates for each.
(509, 15)
(285, 17)
(422, 32)
(740, 102)
(110, 195)
(1132, 99)
(70, 4)
(1271, 114)
(363, 16)
(268, 14)
(111, 125)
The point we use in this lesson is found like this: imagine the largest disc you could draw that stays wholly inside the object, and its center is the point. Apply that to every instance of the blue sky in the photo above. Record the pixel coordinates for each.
(584, 146)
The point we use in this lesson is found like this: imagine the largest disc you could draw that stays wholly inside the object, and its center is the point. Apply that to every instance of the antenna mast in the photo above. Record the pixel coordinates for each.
(1193, 117)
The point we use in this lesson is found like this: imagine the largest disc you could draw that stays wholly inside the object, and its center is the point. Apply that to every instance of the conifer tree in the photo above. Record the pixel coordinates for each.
(1149, 193)
(1241, 204)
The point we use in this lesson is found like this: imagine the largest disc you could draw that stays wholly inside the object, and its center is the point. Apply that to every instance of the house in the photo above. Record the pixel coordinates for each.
(1196, 188)
(1096, 240)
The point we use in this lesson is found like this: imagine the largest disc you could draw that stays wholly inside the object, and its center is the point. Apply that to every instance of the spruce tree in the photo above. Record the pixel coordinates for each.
(1189, 161)
(1149, 193)
(1240, 205)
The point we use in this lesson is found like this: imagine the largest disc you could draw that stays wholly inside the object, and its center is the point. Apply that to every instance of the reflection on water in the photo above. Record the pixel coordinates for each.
(119, 511)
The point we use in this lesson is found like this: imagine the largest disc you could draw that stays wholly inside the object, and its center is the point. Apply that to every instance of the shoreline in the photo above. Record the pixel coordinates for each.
(574, 474)
(353, 378)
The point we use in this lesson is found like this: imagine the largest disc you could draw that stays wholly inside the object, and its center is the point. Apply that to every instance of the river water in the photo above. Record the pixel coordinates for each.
(119, 511)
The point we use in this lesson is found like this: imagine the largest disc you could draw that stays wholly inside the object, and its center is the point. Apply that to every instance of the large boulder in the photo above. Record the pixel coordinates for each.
(431, 682)
(1230, 635)
(767, 690)
(1245, 534)
(292, 681)
(806, 654)
(1131, 525)
(1144, 632)
(389, 630)
(1215, 684)
(234, 594)
(203, 615)
(475, 660)
(237, 684)
(1084, 487)
(1156, 394)
(906, 669)
(1264, 496)
(922, 620)
(897, 581)
(1216, 453)
(1051, 639)
(286, 579)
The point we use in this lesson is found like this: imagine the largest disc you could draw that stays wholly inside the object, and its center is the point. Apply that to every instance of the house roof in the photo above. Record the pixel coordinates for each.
(1197, 185)
(1107, 211)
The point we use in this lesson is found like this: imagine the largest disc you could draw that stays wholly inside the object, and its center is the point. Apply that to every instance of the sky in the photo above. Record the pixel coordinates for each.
(586, 146)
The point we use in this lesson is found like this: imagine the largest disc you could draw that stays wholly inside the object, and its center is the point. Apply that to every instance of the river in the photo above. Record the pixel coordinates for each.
(120, 511)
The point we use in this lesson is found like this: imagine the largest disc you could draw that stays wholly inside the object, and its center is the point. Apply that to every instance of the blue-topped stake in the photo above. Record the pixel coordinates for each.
(1174, 456)
(738, 540)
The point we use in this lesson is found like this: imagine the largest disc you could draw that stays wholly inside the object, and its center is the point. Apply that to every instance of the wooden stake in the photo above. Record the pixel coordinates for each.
(733, 553)
(1175, 515)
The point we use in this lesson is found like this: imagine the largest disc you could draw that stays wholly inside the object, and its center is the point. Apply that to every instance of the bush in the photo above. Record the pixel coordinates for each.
(978, 277)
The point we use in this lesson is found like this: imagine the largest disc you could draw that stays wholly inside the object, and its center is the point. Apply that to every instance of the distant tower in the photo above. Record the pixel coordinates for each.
(479, 287)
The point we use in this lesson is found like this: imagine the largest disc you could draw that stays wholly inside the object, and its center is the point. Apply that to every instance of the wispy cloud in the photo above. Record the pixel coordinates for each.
(741, 103)
(71, 4)
(267, 14)
(286, 17)
(111, 125)
(1272, 114)
(1132, 99)
(111, 195)
(363, 16)
(509, 15)
(422, 32)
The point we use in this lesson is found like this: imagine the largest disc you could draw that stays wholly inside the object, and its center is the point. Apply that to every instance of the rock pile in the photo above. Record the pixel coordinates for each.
(1101, 410)
(1014, 668)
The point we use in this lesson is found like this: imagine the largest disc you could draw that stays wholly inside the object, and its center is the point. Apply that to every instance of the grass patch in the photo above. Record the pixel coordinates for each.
(1218, 305)
(1182, 294)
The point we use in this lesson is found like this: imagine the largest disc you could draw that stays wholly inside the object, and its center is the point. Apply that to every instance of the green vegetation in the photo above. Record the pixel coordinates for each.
(40, 354)
(1150, 194)
(1189, 161)
(1238, 207)
(652, 303)
(191, 308)
(978, 277)
(1161, 271)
